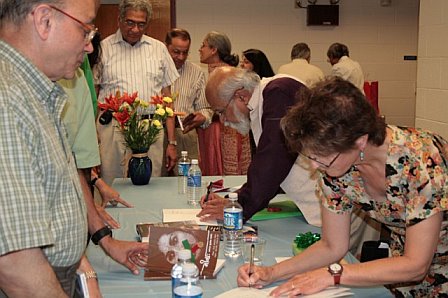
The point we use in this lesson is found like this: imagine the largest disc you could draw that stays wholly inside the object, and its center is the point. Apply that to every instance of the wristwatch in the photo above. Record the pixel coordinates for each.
(335, 270)
(174, 143)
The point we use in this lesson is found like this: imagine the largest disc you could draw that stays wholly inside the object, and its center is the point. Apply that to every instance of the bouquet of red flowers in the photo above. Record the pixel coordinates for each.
(138, 130)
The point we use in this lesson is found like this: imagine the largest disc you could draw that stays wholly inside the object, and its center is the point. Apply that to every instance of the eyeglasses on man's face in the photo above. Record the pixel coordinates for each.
(221, 112)
(321, 163)
(131, 24)
(178, 52)
(89, 30)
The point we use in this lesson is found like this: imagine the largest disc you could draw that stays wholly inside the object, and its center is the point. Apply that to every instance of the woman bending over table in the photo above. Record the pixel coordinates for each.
(397, 175)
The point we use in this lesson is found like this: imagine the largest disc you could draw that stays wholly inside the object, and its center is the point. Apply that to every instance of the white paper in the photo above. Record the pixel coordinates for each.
(263, 293)
(219, 265)
(170, 215)
(281, 259)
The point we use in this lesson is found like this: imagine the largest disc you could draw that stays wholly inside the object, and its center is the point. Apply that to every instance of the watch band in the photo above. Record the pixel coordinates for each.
(335, 270)
(93, 181)
(174, 143)
(100, 234)
(90, 274)
(337, 279)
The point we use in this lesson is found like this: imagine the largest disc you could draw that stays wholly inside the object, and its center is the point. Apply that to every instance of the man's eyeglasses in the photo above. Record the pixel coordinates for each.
(321, 163)
(222, 112)
(131, 24)
(89, 30)
(179, 52)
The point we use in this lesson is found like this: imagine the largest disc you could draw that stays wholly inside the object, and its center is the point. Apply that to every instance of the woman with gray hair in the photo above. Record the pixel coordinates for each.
(223, 149)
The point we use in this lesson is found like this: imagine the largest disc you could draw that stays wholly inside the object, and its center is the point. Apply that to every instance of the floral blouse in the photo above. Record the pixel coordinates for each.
(416, 188)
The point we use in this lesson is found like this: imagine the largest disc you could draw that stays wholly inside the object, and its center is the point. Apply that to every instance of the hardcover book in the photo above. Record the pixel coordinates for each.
(165, 242)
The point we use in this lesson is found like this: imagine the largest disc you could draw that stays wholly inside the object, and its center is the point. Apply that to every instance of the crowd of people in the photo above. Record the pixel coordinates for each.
(313, 137)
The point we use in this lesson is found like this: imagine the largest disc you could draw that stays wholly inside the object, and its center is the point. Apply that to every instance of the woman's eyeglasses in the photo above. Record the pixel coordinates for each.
(321, 163)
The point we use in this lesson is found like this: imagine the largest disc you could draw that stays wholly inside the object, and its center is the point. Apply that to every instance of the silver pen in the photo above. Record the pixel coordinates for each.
(251, 264)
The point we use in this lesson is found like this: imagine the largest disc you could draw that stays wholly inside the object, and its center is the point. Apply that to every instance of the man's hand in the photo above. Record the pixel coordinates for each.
(213, 208)
(171, 157)
(110, 195)
(130, 254)
(107, 218)
(192, 121)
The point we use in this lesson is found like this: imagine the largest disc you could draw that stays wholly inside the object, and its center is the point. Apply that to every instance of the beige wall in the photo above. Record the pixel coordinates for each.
(432, 74)
(378, 37)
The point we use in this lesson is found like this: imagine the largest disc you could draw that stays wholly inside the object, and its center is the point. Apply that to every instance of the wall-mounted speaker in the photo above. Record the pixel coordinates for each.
(322, 15)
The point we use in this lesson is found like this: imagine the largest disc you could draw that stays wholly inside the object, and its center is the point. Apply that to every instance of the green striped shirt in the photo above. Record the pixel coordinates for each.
(41, 203)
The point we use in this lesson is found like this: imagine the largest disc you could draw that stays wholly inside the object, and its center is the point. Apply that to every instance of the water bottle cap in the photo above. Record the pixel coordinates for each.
(184, 153)
(189, 269)
(194, 161)
(184, 254)
(233, 196)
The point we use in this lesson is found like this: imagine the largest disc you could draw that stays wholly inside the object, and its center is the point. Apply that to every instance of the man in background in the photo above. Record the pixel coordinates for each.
(300, 66)
(134, 62)
(189, 90)
(344, 67)
(43, 222)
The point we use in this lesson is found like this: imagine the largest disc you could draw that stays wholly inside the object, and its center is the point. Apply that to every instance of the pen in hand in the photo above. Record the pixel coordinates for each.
(209, 189)
(251, 264)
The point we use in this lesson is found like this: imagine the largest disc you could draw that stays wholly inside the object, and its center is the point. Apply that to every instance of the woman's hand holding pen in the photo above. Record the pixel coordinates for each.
(254, 276)
(212, 208)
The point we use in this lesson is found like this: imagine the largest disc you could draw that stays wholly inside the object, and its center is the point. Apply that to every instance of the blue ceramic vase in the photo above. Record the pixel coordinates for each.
(140, 167)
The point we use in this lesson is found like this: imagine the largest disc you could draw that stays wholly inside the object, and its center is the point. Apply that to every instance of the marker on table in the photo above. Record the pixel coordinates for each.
(251, 264)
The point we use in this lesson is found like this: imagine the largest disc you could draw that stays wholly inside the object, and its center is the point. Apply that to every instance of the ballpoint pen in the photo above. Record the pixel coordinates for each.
(251, 264)
(209, 189)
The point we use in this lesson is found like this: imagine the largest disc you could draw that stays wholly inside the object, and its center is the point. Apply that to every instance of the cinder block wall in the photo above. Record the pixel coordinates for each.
(378, 37)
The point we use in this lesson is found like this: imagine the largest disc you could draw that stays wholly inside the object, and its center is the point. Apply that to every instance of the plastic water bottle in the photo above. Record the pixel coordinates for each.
(182, 171)
(233, 227)
(183, 257)
(194, 186)
(189, 283)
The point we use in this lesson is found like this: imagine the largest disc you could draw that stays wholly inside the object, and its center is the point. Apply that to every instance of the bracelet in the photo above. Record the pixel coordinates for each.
(90, 274)
(93, 181)
(100, 234)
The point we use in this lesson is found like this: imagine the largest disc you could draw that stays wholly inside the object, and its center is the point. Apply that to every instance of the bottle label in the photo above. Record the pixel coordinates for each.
(188, 291)
(233, 220)
(194, 181)
(182, 169)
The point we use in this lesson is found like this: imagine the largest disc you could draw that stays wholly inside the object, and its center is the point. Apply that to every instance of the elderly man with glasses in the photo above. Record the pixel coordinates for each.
(43, 222)
(190, 91)
(244, 102)
(134, 62)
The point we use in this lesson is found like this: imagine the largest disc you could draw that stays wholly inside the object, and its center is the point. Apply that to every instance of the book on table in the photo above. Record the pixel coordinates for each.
(165, 242)
(143, 228)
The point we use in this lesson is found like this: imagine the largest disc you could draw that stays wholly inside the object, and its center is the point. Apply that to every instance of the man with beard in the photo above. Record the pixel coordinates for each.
(244, 102)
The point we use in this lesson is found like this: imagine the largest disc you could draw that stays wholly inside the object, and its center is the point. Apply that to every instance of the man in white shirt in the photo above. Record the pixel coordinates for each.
(189, 89)
(345, 67)
(300, 66)
(130, 62)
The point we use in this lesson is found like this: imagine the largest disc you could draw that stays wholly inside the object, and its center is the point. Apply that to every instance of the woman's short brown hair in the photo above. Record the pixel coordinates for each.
(330, 117)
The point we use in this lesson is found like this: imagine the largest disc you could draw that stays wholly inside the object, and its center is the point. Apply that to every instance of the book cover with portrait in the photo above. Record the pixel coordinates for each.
(166, 242)
(143, 228)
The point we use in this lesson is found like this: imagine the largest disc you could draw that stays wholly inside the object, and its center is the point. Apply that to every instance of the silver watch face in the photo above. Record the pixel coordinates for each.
(335, 267)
